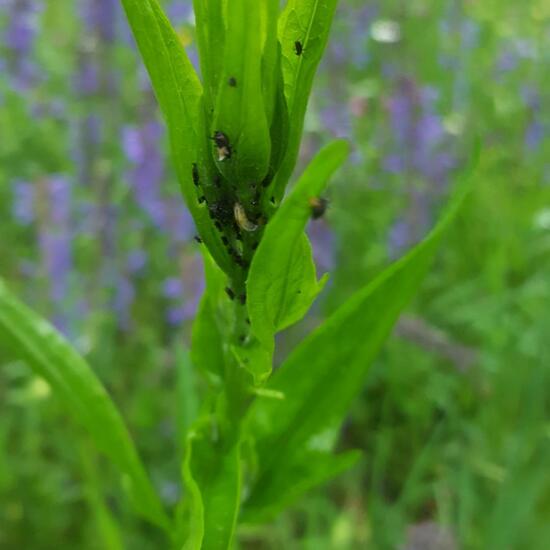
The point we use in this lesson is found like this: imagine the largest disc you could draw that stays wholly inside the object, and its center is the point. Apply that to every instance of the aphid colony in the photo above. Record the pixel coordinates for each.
(236, 219)
(237, 216)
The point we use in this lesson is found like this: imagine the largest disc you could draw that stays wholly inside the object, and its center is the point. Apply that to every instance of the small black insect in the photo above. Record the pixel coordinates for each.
(195, 173)
(266, 181)
(202, 199)
(232, 82)
(298, 47)
(197, 239)
(222, 145)
(230, 293)
(222, 210)
(272, 200)
(318, 207)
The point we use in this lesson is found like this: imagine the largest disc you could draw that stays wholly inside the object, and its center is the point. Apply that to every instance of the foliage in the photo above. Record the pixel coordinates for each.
(95, 253)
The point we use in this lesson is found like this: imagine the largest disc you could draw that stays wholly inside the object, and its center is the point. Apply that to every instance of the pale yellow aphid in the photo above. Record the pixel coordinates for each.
(242, 221)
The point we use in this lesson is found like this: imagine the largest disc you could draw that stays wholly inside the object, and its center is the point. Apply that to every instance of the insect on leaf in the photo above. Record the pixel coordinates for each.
(282, 283)
(323, 375)
(180, 96)
(308, 23)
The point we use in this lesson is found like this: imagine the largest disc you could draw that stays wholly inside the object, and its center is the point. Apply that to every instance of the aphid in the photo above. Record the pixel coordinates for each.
(195, 173)
(298, 47)
(266, 181)
(242, 221)
(202, 199)
(318, 207)
(232, 82)
(272, 200)
(222, 145)
(222, 210)
(197, 239)
(230, 293)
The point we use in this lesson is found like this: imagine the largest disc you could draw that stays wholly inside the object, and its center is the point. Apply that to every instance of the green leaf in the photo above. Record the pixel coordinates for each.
(187, 397)
(212, 323)
(179, 93)
(212, 476)
(292, 481)
(34, 340)
(239, 111)
(323, 375)
(210, 27)
(106, 527)
(307, 22)
(282, 283)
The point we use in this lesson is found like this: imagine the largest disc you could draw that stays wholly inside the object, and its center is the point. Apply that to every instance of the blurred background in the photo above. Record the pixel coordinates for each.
(454, 419)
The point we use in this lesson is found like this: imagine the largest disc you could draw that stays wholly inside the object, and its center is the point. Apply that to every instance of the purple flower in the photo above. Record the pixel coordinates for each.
(172, 288)
(60, 200)
(179, 11)
(22, 28)
(56, 252)
(322, 242)
(337, 119)
(23, 202)
(534, 135)
(141, 146)
(137, 260)
(123, 300)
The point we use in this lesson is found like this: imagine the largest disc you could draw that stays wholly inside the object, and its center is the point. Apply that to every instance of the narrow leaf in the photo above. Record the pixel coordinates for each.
(308, 23)
(293, 480)
(34, 340)
(240, 111)
(212, 475)
(179, 93)
(326, 371)
(282, 283)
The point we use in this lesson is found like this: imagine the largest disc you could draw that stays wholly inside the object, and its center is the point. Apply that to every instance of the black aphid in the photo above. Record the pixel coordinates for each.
(202, 199)
(272, 200)
(195, 173)
(222, 145)
(198, 239)
(318, 207)
(298, 47)
(230, 293)
(232, 82)
(222, 210)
